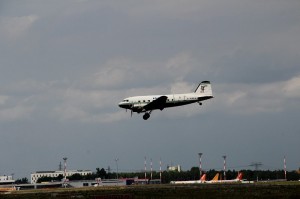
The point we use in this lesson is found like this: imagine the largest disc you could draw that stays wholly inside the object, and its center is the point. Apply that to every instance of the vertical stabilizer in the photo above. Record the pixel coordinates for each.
(216, 178)
(203, 178)
(240, 176)
(204, 88)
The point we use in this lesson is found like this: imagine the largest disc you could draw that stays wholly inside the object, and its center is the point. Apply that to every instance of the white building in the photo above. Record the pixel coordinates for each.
(6, 180)
(38, 174)
(98, 182)
(174, 168)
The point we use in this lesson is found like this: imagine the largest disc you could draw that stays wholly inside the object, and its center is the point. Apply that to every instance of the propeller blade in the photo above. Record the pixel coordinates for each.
(131, 113)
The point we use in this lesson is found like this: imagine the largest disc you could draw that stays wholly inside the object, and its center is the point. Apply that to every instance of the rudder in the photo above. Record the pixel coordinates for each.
(204, 88)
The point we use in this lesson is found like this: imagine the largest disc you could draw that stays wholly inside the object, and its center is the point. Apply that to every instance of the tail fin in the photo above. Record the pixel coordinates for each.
(204, 88)
(203, 178)
(216, 178)
(240, 176)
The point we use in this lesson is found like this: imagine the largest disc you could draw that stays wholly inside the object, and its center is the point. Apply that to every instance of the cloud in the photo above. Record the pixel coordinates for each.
(14, 27)
(123, 72)
(90, 103)
(257, 98)
(94, 95)
(17, 112)
(291, 87)
(3, 99)
(94, 98)
(180, 66)
(115, 72)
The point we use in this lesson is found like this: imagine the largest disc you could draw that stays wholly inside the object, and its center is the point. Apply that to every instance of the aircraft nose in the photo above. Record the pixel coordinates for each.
(122, 105)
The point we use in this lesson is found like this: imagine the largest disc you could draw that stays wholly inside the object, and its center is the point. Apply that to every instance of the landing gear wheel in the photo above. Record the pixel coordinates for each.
(200, 103)
(146, 116)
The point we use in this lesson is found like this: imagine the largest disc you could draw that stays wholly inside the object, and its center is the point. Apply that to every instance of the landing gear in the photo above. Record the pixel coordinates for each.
(146, 116)
(200, 103)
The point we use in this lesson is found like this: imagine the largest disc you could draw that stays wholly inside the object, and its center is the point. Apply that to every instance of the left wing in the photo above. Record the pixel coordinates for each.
(158, 103)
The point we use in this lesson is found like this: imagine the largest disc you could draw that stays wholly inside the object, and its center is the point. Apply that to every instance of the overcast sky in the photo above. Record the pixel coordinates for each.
(65, 65)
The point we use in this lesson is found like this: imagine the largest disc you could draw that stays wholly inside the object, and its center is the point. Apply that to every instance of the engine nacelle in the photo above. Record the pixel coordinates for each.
(137, 108)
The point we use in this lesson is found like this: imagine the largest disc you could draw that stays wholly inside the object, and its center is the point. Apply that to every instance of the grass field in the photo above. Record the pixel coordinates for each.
(257, 190)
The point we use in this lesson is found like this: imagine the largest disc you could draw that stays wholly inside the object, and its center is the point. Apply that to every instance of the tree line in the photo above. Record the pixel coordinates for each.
(192, 174)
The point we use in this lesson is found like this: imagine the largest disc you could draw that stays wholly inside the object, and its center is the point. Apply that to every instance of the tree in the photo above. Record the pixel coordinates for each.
(101, 173)
(59, 177)
(44, 179)
(76, 176)
(22, 181)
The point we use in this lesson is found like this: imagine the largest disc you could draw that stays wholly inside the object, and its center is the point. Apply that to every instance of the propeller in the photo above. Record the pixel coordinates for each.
(130, 110)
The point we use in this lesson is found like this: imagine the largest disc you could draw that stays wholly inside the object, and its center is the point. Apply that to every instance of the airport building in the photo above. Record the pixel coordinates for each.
(6, 180)
(174, 168)
(38, 174)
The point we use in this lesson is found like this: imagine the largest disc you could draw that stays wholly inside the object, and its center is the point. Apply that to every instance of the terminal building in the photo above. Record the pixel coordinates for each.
(174, 168)
(6, 180)
(38, 174)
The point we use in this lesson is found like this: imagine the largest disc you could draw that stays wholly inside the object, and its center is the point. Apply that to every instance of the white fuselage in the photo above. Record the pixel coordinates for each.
(172, 100)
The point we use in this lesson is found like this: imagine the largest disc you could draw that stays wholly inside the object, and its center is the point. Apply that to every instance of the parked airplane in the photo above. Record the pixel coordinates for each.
(212, 181)
(239, 178)
(215, 179)
(146, 104)
(202, 180)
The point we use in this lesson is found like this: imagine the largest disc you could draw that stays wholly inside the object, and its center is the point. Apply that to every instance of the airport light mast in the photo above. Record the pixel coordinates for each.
(256, 166)
(160, 169)
(60, 166)
(145, 164)
(284, 166)
(224, 156)
(200, 164)
(151, 168)
(65, 170)
(117, 159)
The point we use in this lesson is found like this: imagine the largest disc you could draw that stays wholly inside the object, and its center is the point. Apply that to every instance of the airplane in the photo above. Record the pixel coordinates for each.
(202, 180)
(146, 104)
(215, 179)
(239, 178)
(212, 181)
